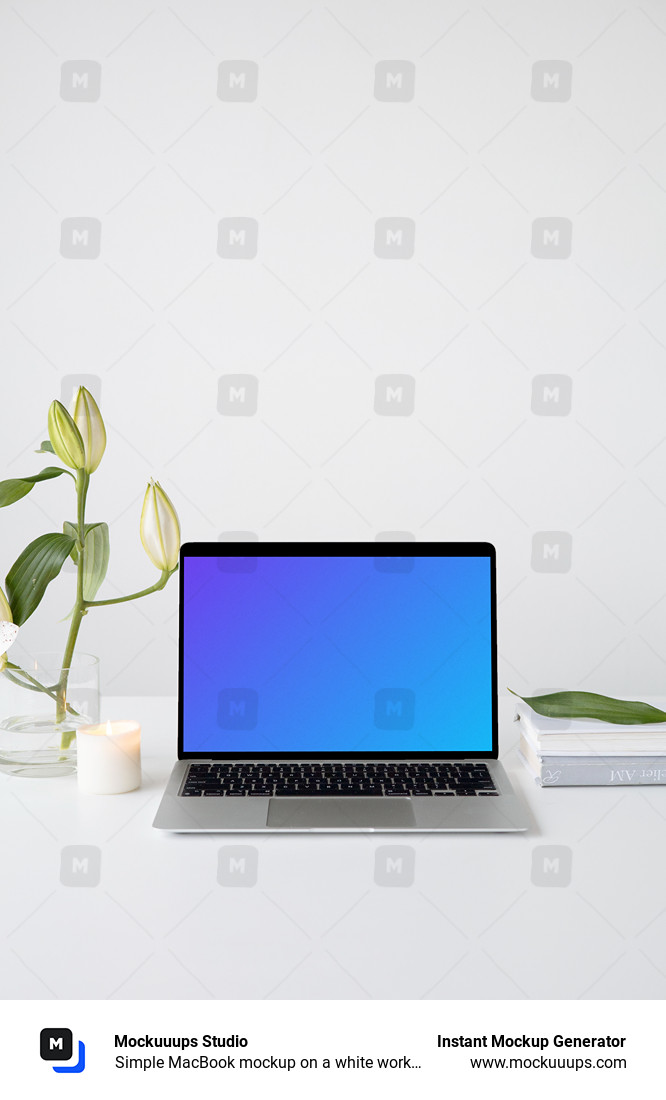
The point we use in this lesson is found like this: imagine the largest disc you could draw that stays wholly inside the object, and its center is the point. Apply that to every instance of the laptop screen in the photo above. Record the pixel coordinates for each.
(344, 654)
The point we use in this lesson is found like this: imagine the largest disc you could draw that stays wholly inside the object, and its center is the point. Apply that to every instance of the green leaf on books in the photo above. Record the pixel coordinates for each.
(585, 704)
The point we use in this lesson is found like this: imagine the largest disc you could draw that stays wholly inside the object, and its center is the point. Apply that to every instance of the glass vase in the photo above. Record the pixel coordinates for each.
(43, 706)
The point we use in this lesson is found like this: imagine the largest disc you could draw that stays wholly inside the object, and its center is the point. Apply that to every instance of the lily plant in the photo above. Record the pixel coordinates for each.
(78, 440)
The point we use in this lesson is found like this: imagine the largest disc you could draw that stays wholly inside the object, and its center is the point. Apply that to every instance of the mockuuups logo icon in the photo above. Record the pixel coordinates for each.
(237, 865)
(551, 865)
(394, 564)
(394, 395)
(394, 81)
(394, 238)
(236, 563)
(237, 708)
(238, 395)
(394, 865)
(237, 238)
(80, 238)
(237, 81)
(80, 81)
(551, 81)
(551, 551)
(70, 383)
(551, 394)
(551, 238)
(394, 709)
(56, 1044)
(80, 865)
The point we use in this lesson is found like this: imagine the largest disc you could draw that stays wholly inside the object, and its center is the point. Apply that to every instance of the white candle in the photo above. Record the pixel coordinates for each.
(108, 758)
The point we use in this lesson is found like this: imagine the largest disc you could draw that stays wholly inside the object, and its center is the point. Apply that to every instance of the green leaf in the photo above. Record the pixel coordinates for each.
(585, 704)
(17, 487)
(45, 447)
(96, 555)
(33, 571)
(72, 532)
(96, 558)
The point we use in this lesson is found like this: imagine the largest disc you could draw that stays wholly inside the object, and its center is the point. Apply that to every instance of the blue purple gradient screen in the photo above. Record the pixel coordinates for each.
(337, 654)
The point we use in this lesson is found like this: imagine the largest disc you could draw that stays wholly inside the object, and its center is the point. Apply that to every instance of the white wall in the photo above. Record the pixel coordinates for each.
(487, 305)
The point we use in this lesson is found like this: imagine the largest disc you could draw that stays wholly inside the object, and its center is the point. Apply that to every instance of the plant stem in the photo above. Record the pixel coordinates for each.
(82, 482)
(33, 684)
(38, 686)
(134, 595)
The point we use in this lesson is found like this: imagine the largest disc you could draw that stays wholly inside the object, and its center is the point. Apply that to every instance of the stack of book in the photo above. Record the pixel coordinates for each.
(578, 752)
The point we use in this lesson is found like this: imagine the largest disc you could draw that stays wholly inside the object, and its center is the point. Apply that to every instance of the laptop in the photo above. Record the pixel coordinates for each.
(338, 687)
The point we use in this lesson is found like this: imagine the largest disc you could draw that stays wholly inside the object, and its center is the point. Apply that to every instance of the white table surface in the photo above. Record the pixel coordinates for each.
(472, 924)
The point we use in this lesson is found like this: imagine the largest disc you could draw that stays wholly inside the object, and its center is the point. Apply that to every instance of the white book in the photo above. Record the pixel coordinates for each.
(593, 771)
(533, 748)
(589, 736)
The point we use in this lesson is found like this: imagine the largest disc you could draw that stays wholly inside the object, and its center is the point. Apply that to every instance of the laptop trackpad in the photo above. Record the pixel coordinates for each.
(340, 813)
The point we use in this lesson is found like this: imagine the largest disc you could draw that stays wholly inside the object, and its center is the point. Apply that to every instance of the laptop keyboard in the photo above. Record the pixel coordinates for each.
(264, 780)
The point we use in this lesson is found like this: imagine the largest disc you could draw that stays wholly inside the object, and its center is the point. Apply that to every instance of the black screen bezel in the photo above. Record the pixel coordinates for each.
(342, 549)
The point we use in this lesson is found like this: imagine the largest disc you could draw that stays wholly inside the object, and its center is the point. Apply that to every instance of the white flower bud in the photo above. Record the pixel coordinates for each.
(160, 529)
